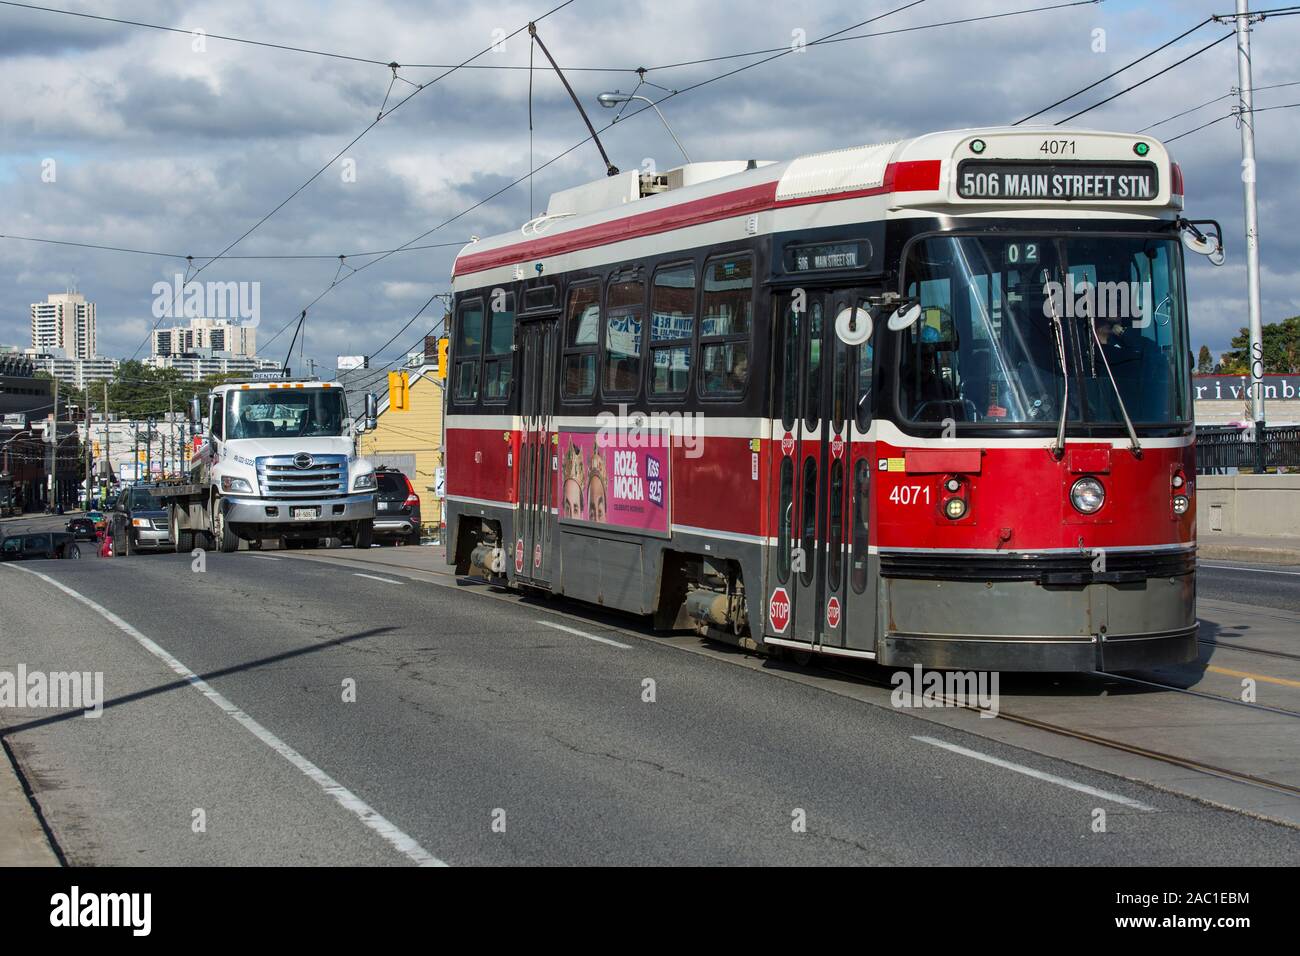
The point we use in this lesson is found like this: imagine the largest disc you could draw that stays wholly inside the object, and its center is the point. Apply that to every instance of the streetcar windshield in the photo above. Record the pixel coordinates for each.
(284, 413)
(1008, 322)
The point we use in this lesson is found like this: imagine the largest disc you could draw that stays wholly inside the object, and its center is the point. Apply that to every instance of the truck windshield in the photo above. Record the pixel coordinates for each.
(284, 413)
(1005, 319)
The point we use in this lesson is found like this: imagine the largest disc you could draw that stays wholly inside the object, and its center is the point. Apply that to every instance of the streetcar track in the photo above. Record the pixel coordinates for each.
(1251, 650)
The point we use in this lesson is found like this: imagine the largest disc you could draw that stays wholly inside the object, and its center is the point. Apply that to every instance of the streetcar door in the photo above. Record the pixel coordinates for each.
(813, 481)
(532, 554)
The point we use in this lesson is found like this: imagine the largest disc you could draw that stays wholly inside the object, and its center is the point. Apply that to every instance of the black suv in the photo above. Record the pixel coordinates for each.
(397, 507)
(44, 544)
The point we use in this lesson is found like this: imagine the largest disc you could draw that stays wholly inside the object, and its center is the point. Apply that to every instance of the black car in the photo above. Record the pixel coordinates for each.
(138, 522)
(83, 529)
(397, 507)
(38, 544)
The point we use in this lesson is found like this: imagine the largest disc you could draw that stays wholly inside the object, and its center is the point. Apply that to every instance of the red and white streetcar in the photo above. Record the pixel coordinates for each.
(923, 402)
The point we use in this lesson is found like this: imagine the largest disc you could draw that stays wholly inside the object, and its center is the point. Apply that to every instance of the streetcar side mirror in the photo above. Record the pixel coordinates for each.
(904, 317)
(1208, 243)
(195, 411)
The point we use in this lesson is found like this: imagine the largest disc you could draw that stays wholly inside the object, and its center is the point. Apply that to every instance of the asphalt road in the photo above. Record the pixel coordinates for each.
(1263, 585)
(485, 732)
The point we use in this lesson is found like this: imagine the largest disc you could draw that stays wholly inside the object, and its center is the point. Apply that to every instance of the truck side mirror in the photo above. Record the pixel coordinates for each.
(372, 412)
(196, 415)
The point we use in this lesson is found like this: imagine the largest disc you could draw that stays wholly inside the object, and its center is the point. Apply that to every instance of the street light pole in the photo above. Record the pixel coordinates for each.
(1246, 120)
(610, 100)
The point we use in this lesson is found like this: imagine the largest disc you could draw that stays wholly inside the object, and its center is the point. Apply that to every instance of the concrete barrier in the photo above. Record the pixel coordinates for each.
(1263, 505)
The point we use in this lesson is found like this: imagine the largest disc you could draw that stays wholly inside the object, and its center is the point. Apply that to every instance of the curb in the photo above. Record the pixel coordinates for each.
(23, 838)
(1230, 552)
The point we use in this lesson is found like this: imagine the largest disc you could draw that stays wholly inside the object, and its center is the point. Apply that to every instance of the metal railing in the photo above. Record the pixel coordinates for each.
(1219, 449)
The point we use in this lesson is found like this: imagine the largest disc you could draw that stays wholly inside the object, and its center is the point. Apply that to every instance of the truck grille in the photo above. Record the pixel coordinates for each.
(302, 476)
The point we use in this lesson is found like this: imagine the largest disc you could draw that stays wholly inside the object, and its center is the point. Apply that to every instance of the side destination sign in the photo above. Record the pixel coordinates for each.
(1058, 182)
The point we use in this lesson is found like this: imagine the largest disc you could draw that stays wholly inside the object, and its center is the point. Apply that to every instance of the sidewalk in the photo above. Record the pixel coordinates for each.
(22, 840)
(1260, 549)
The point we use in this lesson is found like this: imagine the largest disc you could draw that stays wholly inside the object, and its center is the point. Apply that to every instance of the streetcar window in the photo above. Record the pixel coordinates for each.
(672, 327)
(466, 381)
(728, 296)
(866, 355)
(580, 375)
(499, 359)
(582, 329)
(808, 538)
(786, 519)
(861, 503)
(726, 315)
(790, 367)
(812, 396)
(539, 297)
(726, 367)
(836, 521)
(469, 347)
(624, 304)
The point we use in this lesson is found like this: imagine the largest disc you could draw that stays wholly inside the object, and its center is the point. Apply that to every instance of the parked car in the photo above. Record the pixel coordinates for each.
(83, 529)
(138, 522)
(397, 507)
(38, 544)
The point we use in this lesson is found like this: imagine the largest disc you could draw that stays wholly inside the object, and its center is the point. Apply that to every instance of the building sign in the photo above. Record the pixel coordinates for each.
(1227, 388)
(1058, 182)
(615, 478)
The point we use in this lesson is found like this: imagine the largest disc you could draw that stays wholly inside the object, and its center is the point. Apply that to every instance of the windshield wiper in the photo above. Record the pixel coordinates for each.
(1058, 332)
(1136, 446)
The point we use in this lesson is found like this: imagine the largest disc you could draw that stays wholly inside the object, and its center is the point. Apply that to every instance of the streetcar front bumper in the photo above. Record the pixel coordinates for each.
(1038, 612)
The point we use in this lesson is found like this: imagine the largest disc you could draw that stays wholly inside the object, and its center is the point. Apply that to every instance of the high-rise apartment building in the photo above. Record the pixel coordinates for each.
(218, 335)
(66, 321)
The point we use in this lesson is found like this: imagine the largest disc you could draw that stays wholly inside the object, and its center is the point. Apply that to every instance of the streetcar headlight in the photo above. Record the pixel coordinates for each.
(953, 485)
(1087, 495)
(1181, 504)
(1179, 481)
(954, 508)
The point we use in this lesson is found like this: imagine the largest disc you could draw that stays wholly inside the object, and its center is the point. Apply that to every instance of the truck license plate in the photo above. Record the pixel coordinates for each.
(305, 514)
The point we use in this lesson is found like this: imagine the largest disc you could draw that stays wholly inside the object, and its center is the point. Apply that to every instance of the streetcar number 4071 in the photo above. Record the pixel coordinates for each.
(910, 494)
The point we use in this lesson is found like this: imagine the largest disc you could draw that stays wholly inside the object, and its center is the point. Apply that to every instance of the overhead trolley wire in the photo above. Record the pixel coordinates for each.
(312, 178)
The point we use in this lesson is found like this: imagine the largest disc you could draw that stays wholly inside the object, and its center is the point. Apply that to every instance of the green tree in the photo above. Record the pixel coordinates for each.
(1281, 350)
(1204, 361)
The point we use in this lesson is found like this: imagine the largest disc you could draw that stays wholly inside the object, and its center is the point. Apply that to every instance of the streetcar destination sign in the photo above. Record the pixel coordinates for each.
(1060, 182)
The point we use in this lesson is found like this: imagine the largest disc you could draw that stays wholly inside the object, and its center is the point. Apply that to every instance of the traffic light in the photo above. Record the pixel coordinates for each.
(444, 345)
(399, 395)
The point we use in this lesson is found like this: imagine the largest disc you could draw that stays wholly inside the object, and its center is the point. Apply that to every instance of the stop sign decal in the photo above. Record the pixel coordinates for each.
(833, 612)
(537, 556)
(837, 447)
(519, 556)
(787, 445)
(778, 610)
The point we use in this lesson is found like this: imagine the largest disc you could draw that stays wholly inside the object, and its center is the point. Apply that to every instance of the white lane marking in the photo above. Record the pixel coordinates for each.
(1228, 567)
(590, 637)
(1039, 774)
(400, 841)
(373, 578)
(263, 557)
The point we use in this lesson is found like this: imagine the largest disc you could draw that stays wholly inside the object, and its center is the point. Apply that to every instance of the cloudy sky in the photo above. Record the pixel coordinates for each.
(160, 146)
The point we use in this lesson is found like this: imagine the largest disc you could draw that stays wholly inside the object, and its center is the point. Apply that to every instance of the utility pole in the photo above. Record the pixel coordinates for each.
(169, 453)
(1246, 120)
(52, 455)
(107, 431)
(86, 453)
